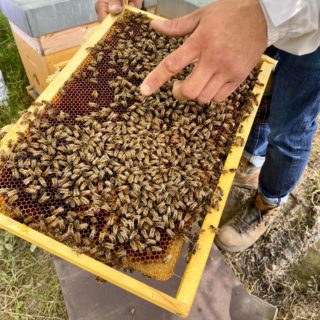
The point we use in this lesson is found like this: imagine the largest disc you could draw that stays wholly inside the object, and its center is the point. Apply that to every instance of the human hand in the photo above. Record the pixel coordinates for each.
(226, 41)
(104, 7)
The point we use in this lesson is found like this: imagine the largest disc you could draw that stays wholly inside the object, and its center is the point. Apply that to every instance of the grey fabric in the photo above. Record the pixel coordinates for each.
(221, 296)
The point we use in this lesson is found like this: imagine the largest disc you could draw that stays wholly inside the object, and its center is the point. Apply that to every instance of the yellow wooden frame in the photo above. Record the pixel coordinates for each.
(182, 303)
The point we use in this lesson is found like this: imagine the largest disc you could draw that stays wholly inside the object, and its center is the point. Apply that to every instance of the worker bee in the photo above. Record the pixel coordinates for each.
(42, 181)
(93, 80)
(108, 245)
(58, 211)
(167, 258)
(213, 229)
(156, 249)
(95, 93)
(151, 241)
(133, 245)
(83, 226)
(70, 231)
(121, 253)
(92, 233)
(31, 190)
(77, 237)
(170, 233)
(44, 198)
(120, 238)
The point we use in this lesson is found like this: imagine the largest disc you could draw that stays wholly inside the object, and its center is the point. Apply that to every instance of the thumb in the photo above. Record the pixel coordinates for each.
(181, 26)
(115, 6)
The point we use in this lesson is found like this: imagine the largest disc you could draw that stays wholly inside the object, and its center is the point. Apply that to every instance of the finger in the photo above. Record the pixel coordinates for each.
(102, 10)
(225, 91)
(194, 84)
(168, 67)
(177, 27)
(136, 3)
(115, 6)
(216, 82)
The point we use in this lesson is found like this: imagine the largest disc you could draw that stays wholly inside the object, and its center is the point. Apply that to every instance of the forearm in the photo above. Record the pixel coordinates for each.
(293, 25)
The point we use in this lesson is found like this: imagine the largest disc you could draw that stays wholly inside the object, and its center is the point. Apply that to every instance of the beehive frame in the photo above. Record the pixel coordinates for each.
(182, 302)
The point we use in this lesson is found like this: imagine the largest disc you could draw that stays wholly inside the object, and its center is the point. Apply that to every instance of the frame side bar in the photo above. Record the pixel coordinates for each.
(93, 266)
(195, 268)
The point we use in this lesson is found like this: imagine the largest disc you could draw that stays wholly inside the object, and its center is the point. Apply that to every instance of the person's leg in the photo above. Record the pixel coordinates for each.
(256, 146)
(295, 105)
(253, 157)
(294, 109)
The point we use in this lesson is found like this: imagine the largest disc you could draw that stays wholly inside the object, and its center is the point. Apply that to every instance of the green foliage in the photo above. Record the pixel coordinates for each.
(14, 75)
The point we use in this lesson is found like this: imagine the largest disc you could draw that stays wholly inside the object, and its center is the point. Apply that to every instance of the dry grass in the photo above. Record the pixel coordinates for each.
(29, 287)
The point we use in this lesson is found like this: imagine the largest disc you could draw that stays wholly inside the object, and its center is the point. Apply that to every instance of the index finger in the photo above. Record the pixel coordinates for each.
(168, 67)
(102, 10)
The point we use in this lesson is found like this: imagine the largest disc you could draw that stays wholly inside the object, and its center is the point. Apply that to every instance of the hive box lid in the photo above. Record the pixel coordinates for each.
(40, 17)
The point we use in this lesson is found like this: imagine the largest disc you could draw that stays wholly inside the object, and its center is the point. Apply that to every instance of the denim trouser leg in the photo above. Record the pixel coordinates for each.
(292, 123)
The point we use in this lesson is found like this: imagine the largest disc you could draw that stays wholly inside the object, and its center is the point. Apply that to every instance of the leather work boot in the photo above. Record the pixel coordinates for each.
(246, 227)
(247, 175)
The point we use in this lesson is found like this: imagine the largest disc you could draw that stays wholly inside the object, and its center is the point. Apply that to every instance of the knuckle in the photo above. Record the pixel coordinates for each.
(171, 64)
(175, 23)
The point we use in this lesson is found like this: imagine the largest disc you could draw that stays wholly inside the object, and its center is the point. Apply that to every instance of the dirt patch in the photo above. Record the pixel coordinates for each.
(282, 267)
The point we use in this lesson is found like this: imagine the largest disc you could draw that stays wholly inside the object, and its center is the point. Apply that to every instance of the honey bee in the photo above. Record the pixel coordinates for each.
(170, 233)
(112, 238)
(102, 236)
(121, 253)
(77, 237)
(44, 198)
(92, 233)
(95, 93)
(151, 241)
(58, 211)
(213, 229)
(42, 181)
(109, 245)
(133, 245)
(31, 190)
(156, 249)
(83, 226)
(70, 231)
(167, 258)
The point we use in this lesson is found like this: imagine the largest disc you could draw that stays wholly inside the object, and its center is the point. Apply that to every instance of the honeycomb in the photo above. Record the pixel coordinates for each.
(117, 176)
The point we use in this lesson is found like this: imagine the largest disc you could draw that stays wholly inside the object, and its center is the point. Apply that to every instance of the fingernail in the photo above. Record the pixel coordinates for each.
(115, 8)
(145, 90)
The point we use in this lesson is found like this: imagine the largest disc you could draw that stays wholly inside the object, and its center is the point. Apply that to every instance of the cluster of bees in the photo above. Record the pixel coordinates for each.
(114, 174)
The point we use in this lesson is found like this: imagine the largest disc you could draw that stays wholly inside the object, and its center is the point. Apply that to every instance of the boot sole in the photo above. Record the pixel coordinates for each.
(244, 185)
(228, 249)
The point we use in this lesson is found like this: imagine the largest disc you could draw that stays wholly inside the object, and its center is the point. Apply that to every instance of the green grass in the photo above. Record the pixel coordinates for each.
(14, 75)
(29, 287)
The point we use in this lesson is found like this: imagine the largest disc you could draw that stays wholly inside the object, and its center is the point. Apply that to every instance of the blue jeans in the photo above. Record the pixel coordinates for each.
(281, 147)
